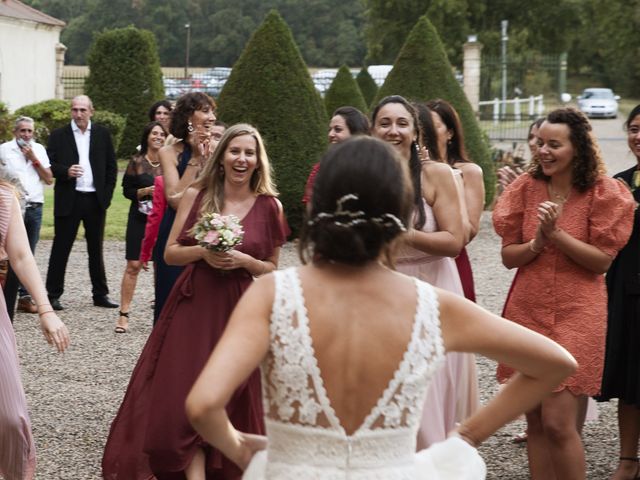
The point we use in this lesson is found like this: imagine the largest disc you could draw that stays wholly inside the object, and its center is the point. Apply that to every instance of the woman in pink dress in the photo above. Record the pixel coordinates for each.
(151, 434)
(17, 451)
(561, 225)
(435, 239)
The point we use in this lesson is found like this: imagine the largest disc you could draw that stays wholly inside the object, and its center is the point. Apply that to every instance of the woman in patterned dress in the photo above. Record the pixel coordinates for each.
(561, 224)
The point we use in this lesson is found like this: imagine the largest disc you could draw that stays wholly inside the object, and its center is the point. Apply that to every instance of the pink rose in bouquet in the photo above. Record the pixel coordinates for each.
(218, 232)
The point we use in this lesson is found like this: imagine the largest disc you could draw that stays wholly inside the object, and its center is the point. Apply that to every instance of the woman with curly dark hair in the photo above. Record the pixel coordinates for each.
(561, 224)
(192, 123)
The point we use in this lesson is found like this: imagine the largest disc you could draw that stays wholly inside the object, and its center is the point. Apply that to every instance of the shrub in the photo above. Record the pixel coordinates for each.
(270, 88)
(6, 124)
(344, 91)
(52, 114)
(125, 78)
(422, 72)
(48, 115)
(116, 125)
(368, 85)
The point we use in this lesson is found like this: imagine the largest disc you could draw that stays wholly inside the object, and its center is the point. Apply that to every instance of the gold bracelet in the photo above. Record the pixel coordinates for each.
(46, 311)
(531, 242)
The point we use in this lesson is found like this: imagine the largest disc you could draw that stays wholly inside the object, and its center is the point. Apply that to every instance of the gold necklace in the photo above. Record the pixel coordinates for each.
(154, 165)
(558, 198)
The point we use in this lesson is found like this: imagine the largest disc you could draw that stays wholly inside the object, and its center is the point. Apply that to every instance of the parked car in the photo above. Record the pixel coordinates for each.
(599, 102)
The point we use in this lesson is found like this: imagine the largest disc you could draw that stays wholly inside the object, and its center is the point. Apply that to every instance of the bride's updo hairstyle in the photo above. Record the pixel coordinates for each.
(362, 201)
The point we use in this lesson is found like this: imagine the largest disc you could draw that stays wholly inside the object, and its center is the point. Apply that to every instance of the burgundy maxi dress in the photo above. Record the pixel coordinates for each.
(151, 434)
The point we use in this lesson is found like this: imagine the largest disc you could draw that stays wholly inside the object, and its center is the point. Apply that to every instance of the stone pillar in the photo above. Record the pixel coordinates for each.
(60, 50)
(471, 71)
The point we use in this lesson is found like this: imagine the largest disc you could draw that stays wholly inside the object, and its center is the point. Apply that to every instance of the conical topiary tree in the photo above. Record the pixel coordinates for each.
(367, 84)
(270, 88)
(125, 78)
(422, 72)
(344, 91)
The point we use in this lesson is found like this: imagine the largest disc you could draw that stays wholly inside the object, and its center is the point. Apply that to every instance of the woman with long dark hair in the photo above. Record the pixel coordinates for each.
(435, 238)
(137, 186)
(181, 162)
(452, 151)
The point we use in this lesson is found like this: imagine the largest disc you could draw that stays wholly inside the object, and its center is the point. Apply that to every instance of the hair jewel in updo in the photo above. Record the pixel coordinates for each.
(343, 217)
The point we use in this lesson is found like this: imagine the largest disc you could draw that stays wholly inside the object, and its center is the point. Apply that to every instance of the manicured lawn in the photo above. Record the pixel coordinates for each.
(116, 215)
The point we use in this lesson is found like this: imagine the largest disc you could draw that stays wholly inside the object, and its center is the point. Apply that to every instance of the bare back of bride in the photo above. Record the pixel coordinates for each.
(348, 346)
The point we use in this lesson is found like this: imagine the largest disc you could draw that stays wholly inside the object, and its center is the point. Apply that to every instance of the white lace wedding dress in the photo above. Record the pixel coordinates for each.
(305, 437)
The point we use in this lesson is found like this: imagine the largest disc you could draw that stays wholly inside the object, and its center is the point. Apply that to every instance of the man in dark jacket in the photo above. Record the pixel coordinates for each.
(83, 163)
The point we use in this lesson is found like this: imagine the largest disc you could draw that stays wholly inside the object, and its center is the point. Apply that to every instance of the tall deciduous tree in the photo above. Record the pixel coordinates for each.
(344, 91)
(125, 78)
(422, 72)
(270, 88)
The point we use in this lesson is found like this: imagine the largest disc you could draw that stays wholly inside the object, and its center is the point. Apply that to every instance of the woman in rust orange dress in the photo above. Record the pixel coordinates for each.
(561, 224)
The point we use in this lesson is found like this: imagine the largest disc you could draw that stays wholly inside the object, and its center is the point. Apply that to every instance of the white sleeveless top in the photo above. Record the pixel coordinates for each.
(305, 437)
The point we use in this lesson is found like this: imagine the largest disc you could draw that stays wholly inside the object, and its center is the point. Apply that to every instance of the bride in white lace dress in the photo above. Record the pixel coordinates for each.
(348, 346)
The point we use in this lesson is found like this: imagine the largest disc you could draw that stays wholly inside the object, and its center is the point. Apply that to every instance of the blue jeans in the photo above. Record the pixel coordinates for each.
(32, 224)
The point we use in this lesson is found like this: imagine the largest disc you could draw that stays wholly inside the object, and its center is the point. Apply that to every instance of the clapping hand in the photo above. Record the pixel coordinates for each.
(54, 331)
(200, 140)
(548, 213)
(507, 174)
(423, 154)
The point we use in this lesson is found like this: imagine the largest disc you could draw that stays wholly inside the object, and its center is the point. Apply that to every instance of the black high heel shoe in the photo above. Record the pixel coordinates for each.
(120, 329)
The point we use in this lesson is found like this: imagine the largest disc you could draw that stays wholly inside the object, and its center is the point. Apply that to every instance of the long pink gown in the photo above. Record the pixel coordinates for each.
(17, 451)
(453, 393)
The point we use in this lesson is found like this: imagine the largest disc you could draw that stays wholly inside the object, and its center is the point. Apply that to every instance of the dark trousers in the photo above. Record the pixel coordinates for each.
(32, 224)
(86, 210)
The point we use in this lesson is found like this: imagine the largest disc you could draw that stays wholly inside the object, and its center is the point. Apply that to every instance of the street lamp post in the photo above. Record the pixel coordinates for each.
(186, 60)
(504, 24)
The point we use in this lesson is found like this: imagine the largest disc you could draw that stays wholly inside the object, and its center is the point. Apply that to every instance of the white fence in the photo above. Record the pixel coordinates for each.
(513, 109)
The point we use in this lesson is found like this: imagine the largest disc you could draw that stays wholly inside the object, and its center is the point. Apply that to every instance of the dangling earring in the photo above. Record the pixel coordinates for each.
(190, 127)
(221, 170)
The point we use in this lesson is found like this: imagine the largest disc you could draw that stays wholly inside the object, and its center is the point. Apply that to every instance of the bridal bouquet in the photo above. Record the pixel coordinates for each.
(218, 232)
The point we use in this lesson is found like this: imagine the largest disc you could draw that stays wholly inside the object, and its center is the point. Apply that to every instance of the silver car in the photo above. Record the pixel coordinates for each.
(598, 102)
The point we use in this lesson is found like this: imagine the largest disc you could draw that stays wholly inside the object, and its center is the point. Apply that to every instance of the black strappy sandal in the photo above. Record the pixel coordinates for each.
(120, 329)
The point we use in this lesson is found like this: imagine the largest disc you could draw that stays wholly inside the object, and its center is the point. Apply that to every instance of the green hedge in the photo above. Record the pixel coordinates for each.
(422, 72)
(344, 91)
(52, 114)
(125, 77)
(368, 85)
(270, 88)
(6, 124)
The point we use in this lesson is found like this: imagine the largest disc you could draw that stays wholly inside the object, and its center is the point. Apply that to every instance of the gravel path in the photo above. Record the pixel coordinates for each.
(73, 397)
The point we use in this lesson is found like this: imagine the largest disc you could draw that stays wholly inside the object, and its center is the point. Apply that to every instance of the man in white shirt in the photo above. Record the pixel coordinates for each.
(25, 163)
